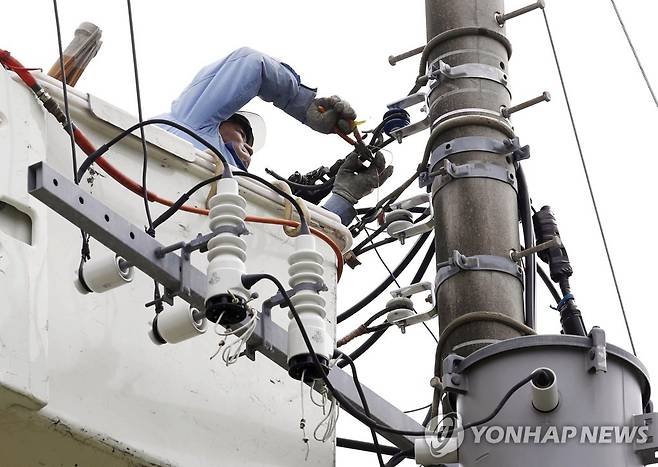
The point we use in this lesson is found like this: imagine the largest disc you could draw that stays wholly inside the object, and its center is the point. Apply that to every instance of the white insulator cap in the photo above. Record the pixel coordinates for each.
(179, 323)
(428, 451)
(545, 395)
(100, 274)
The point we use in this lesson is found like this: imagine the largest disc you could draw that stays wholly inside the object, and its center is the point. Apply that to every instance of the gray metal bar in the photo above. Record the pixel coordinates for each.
(141, 250)
(502, 18)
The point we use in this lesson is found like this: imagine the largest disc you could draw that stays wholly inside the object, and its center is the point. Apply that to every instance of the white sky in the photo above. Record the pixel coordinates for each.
(342, 48)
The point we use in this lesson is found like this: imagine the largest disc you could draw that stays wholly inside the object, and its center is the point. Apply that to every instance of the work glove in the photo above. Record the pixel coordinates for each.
(326, 113)
(354, 180)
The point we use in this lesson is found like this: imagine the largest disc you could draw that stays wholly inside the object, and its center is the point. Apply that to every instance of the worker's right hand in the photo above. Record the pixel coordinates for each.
(325, 114)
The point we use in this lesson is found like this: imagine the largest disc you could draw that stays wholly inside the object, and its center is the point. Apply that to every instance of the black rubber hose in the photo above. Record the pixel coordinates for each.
(399, 457)
(529, 240)
(363, 446)
(364, 347)
(364, 404)
(388, 281)
(549, 284)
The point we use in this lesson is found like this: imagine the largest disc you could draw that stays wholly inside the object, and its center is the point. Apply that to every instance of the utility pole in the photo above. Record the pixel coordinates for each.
(478, 195)
(476, 215)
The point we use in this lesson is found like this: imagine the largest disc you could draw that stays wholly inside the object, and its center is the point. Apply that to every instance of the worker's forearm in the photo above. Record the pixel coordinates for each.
(341, 207)
(224, 87)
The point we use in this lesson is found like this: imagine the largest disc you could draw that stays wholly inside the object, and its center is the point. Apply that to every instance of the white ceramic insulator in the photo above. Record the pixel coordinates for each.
(306, 266)
(105, 273)
(227, 252)
(545, 397)
(428, 451)
(180, 322)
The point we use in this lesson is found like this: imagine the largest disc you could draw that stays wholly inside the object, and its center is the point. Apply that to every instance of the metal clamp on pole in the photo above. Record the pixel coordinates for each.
(507, 147)
(449, 172)
(458, 263)
(502, 18)
(440, 70)
(508, 111)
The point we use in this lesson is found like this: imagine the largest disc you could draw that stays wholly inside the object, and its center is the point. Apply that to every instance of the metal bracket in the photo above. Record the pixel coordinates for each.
(597, 357)
(411, 202)
(506, 147)
(440, 70)
(419, 97)
(458, 263)
(413, 289)
(449, 172)
(647, 451)
(453, 380)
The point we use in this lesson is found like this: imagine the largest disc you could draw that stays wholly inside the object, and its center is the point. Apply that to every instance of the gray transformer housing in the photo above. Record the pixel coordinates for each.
(599, 386)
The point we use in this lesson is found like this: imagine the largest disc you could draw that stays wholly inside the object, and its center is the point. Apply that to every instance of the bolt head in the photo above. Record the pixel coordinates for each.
(456, 380)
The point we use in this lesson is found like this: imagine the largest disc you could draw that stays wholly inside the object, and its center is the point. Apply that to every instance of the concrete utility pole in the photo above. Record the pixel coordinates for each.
(477, 214)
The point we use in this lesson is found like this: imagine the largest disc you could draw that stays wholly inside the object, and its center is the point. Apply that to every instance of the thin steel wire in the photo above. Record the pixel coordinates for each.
(637, 57)
(589, 184)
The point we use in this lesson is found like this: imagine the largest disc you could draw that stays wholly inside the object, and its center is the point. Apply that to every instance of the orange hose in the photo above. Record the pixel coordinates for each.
(318, 233)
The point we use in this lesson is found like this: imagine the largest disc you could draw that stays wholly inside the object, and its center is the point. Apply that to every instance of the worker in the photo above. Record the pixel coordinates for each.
(210, 105)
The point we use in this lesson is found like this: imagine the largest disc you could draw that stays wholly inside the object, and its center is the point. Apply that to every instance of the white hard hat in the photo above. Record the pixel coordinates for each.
(256, 127)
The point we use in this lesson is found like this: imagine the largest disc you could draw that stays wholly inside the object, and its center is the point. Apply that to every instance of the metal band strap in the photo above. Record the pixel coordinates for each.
(505, 147)
(440, 71)
(449, 172)
(459, 263)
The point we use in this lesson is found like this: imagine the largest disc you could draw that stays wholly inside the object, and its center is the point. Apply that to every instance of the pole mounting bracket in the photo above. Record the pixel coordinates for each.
(449, 172)
(459, 263)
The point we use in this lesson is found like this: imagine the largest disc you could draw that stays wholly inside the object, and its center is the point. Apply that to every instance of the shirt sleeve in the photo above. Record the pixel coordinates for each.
(224, 87)
(340, 206)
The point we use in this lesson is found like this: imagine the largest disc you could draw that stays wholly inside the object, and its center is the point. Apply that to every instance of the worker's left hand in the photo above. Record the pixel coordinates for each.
(354, 180)
(325, 114)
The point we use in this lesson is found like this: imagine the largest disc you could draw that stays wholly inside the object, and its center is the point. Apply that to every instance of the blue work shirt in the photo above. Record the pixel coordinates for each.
(225, 86)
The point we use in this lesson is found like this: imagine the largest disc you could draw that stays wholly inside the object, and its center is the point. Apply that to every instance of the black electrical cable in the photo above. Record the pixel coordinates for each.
(249, 280)
(551, 288)
(503, 401)
(424, 264)
(399, 457)
(388, 281)
(419, 408)
(363, 446)
(589, 184)
(529, 241)
(371, 236)
(365, 346)
(153, 121)
(364, 403)
(141, 119)
(84, 248)
(376, 245)
(637, 57)
(74, 157)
